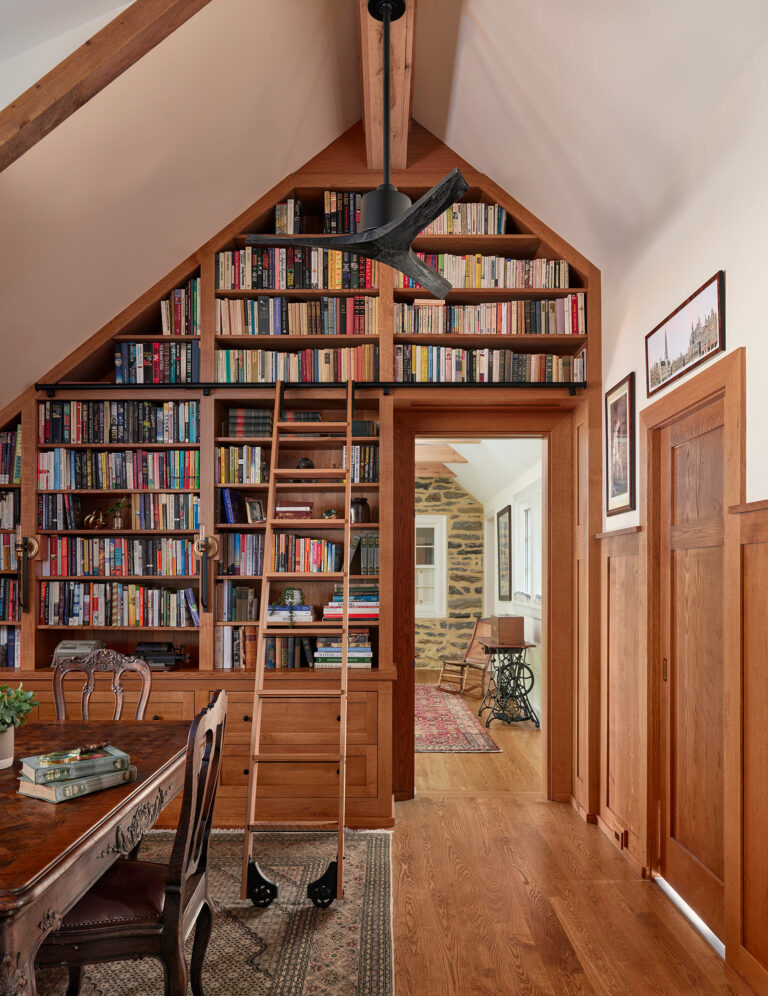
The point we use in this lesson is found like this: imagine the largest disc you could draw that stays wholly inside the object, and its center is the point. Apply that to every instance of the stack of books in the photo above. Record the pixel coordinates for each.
(363, 602)
(282, 614)
(45, 777)
(359, 652)
(244, 422)
(294, 510)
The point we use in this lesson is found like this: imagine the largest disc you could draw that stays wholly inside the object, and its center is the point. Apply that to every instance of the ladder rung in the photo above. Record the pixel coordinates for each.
(299, 694)
(301, 473)
(309, 428)
(297, 758)
(263, 825)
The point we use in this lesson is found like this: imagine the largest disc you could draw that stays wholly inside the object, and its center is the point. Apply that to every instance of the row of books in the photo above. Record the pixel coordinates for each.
(443, 364)
(352, 315)
(293, 268)
(157, 362)
(304, 555)
(364, 465)
(288, 652)
(10, 456)
(8, 560)
(247, 422)
(561, 316)
(242, 554)
(476, 270)
(10, 646)
(10, 610)
(288, 217)
(239, 508)
(329, 650)
(474, 218)
(114, 470)
(237, 602)
(80, 603)
(118, 556)
(10, 509)
(367, 544)
(240, 465)
(262, 366)
(77, 773)
(180, 313)
(235, 647)
(165, 511)
(341, 213)
(118, 422)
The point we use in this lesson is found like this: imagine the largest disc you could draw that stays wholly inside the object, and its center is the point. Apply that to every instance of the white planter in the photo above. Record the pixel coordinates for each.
(6, 747)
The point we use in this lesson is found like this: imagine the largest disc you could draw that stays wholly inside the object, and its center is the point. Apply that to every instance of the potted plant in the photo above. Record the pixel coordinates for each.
(290, 597)
(116, 513)
(14, 706)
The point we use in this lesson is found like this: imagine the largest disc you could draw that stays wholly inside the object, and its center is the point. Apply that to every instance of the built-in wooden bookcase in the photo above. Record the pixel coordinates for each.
(10, 518)
(88, 376)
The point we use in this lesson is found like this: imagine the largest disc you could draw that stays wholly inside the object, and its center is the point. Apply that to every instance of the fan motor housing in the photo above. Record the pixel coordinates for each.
(381, 206)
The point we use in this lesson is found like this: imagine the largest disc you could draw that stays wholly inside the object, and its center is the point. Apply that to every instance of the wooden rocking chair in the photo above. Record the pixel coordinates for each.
(454, 673)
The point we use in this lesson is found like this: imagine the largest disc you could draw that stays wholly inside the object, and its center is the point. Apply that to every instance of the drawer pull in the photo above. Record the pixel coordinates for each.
(245, 771)
(246, 719)
(338, 719)
(155, 717)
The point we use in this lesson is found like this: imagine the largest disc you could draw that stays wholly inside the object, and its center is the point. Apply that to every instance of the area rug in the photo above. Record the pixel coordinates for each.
(446, 724)
(291, 948)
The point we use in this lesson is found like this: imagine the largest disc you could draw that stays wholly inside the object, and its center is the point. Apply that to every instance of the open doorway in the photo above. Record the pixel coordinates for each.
(478, 555)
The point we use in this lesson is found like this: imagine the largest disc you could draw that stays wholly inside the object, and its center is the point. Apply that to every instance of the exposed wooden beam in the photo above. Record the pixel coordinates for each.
(401, 84)
(433, 470)
(88, 70)
(438, 454)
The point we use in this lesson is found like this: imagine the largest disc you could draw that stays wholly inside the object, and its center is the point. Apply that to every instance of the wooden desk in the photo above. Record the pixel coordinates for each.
(51, 854)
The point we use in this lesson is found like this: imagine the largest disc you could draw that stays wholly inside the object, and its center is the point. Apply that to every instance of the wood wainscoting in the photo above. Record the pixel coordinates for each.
(624, 707)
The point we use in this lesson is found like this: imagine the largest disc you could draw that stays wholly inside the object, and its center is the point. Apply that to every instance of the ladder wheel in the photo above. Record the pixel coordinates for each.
(322, 891)
(261, 891)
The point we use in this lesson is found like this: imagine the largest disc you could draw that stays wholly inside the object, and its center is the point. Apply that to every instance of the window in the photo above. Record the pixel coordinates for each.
(430, 566)
(526, 544)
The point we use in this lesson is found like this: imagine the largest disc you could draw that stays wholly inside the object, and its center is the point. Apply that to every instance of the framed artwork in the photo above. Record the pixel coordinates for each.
(694, 331)
(254, 509)
(504, 553)
(620, 446)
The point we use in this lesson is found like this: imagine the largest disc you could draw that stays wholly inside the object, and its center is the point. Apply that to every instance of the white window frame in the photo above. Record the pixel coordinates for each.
(438, 523)
(527, 501)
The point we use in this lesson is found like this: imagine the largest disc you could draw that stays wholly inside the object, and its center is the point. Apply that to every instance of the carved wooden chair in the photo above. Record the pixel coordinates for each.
(143, 909)
(102, 660)
(475, 662)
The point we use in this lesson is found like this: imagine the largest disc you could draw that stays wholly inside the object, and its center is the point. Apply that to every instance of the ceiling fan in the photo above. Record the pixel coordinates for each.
(388, 221)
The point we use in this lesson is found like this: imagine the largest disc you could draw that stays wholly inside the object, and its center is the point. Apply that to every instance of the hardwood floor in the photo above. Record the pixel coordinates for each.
(497, 891)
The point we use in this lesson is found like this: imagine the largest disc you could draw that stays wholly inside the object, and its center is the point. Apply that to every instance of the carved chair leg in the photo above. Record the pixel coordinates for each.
(75, 978)
(134, 854)
(200, 946)
(175, 973)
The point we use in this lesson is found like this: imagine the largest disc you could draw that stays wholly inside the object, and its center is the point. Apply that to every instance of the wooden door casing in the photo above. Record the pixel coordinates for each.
(691, 521)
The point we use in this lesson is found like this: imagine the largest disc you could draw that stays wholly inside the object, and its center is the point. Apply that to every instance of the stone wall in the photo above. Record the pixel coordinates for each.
(439, 638)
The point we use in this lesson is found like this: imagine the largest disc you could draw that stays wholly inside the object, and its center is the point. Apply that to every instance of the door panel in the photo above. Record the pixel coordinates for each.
(691, 617)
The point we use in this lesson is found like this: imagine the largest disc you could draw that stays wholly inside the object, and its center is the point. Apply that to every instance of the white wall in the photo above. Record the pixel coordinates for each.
(528, 481)
(716, 219)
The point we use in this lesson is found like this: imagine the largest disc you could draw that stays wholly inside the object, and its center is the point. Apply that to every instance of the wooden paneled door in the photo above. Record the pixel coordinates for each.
(691, 532)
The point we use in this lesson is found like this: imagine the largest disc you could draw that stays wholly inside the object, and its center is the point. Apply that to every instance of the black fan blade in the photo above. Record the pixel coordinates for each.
(391, 243)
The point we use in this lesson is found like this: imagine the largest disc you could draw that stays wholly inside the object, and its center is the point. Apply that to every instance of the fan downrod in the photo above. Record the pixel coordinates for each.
(396, 9)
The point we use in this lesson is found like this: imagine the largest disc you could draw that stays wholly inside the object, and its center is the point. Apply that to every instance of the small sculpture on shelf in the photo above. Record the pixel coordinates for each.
(94, 520)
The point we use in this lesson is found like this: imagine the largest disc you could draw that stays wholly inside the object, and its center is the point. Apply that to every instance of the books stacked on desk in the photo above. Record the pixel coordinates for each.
(52, 779)
(363, 602)
(359, 650)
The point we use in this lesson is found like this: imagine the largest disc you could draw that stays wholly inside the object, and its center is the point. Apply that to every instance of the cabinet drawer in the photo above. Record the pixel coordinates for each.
(295, 722)
(163, 705)
(300, 781)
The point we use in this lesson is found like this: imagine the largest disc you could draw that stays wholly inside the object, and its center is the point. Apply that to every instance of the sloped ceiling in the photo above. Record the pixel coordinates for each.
(582, 111)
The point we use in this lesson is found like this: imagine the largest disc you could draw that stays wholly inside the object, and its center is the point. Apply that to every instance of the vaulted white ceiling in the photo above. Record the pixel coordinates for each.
(583, 112)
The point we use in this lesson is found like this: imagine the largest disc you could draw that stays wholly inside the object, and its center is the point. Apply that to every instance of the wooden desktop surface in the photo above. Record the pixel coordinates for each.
(50, 854)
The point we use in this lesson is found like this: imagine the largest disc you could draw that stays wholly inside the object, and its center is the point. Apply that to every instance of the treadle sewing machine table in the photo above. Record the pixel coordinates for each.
(509, 685)
(50, 854)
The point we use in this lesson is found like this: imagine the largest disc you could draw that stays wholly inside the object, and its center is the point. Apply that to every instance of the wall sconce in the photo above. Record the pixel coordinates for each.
(205, 547)
(27, 548)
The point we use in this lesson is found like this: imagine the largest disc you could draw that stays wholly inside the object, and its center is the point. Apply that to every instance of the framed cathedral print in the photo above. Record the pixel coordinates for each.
(620, 446)
(504, 553)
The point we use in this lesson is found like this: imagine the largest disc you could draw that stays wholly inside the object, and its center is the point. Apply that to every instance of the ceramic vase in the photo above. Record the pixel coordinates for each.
(6, 747)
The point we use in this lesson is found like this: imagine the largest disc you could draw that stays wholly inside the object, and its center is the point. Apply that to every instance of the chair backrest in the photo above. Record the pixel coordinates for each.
(476, 652)
(102, 660)
(201, 778)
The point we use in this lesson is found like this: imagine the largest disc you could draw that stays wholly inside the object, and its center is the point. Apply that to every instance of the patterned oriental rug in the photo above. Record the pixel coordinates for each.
(447, 724)
(291, 948)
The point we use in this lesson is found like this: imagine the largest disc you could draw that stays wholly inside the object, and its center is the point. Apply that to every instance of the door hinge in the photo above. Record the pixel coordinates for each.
(664, 669)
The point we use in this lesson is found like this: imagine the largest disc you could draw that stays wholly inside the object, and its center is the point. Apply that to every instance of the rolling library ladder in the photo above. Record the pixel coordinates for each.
(255, 886)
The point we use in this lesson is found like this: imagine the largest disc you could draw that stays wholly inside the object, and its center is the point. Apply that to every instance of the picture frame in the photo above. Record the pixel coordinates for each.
(688, 336)
(504, 553)
(254, 510)
(620, 446)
